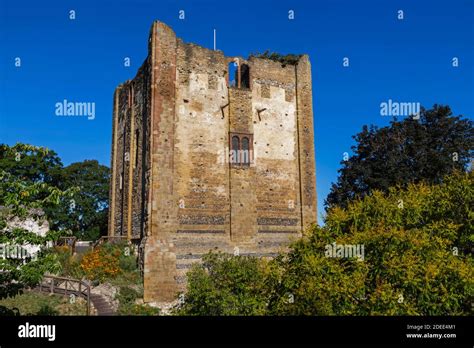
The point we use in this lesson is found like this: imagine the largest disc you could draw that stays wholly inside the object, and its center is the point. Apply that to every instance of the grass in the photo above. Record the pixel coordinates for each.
(35, 303)
(127, 278)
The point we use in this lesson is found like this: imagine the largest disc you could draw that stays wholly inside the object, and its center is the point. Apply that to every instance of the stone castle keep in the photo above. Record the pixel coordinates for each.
(200, 163)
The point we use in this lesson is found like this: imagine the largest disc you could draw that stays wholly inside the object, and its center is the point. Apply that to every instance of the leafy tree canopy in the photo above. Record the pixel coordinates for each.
(407, 151)
(85, 213)
(30, 163)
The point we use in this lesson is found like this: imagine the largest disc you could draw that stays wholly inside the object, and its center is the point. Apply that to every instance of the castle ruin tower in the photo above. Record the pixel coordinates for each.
(205, 159)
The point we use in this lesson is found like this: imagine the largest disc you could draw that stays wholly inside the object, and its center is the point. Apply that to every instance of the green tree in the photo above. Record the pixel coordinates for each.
(407, 151)
(413, 261)
(30, 163)
(21, 199)
(86, 212)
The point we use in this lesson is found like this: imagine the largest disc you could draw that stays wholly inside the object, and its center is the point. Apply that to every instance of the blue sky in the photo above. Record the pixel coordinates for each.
(82, 60)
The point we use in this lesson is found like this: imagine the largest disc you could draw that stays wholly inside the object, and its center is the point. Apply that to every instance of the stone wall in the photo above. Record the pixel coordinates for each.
(128, 213)
(179, 193)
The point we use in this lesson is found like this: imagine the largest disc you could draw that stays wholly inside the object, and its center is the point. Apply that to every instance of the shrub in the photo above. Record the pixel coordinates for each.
(127, 297)
(128, 263)
(415, 262)
(101, 264)
(70, 264)
(136, 309)
(288, 59)
(47, 310)
(226, 285)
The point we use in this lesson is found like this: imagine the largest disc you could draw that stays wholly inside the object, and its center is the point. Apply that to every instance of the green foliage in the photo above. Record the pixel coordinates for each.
(85, 211)
(417, 260)
(288, 59)
(70, 264)
(418, 245)
(125, 278)
(128, 263)
(444, 210)
(226, 285)
(127, 297)
(407, 151)
(115, 263)
(47, 310)
(36, 303)
(111, 261)
(404, 273)
(10, 312)
(127, 259)
(21, 199)
(30, 163)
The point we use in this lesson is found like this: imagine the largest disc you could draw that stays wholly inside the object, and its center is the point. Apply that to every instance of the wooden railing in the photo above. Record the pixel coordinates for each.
(66, 286)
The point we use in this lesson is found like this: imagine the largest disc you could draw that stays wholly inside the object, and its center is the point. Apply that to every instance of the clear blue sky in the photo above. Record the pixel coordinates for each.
(82, 60)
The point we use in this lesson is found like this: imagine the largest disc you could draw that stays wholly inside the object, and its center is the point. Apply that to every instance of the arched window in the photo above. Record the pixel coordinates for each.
(234, 155)
(244, 76)
(241, 149)
(238, 75)
(232, 71)
(245, 153)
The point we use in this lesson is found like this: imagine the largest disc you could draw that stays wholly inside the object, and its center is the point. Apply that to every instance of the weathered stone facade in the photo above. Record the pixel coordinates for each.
(176, 184)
